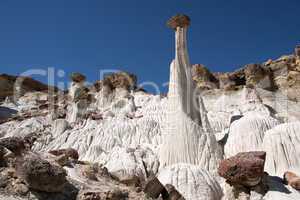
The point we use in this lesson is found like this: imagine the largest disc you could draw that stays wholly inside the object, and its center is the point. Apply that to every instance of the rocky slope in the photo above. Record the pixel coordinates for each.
(10, 85)
(214, 136)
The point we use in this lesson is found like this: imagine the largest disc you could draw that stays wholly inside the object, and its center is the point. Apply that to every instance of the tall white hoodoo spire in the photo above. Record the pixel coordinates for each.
(184, 140)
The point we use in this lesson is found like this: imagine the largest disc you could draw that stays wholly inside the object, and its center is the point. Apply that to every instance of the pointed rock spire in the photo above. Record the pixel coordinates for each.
(184, 140)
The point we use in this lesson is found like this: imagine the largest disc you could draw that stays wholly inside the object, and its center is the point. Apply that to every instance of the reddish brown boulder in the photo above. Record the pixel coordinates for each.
(245, 169)
(292, 179)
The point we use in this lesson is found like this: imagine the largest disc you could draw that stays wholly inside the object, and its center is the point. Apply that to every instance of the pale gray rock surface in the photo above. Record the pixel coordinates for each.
(191, 181)
(282, 144)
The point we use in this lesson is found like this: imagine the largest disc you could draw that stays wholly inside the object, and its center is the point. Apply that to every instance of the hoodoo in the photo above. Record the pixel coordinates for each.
(184, 140)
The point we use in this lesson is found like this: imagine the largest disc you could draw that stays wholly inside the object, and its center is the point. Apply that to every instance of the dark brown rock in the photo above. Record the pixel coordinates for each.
(173, 193)
(13, 144)
(70, 153)
(108, 195)
(7, 84)
(77, 77)
(292, 179)
(41, 175)
(179, 20)
(245, 169)
(154, 188)
(96, 116)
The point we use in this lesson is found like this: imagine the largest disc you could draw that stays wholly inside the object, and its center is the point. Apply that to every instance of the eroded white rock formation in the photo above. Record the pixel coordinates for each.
(184, 140)
(247, 133)
(79, 104)
(191, 181)
(282, 144)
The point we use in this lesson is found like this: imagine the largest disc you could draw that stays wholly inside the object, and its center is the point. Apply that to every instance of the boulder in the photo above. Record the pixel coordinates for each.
(109, 195)
(70, 153)
(245, 168)
(93, 171)
(13, 144)
(41, 175)
(154, 188)
(173, 193)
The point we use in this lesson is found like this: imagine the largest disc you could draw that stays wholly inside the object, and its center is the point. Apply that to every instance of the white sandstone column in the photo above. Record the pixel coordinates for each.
(184, 140)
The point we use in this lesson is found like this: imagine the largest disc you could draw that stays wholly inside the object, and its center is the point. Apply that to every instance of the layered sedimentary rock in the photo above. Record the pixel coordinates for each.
(257, 76)
(203, 77)
(184, 140)
(9, 85)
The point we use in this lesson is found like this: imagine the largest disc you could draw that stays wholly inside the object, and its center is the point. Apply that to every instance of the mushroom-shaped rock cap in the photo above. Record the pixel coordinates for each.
(179, 20)
(77, 77)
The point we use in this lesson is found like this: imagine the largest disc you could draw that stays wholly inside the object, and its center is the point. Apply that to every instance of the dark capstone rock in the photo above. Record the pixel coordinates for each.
(179, 20)
(154, 188)
(41, 175)
(14, 144)
(77, 77)
(245, 169)
(123, 80)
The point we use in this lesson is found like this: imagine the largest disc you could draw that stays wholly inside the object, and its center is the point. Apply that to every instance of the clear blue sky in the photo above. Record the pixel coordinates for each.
(130, 35)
